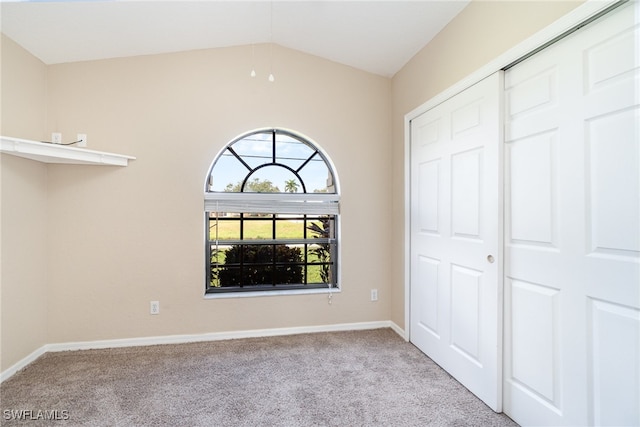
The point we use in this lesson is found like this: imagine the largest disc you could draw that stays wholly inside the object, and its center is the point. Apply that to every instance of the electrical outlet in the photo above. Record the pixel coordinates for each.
(374, 295)
(154, 307)
(82, 137)
(56, 138)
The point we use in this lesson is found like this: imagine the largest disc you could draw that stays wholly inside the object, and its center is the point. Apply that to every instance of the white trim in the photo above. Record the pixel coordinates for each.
(407, 228)
(577, 16)
(182, 339)
(312, 291)
(21, 364)
(398, 330)
(582, 13)
(214, 336)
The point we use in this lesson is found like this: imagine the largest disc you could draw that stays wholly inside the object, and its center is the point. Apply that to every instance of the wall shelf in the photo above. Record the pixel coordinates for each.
(55, 153)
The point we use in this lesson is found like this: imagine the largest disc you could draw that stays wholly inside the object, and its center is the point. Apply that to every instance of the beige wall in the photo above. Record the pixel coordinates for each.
(121, 237)
(480, 33)
(112, 239)
(23, 206)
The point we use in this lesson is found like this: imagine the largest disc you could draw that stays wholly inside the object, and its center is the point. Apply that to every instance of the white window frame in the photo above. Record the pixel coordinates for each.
(274, 203)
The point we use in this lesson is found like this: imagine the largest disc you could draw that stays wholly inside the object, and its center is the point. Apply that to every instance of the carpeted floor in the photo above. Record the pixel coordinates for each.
(359, 378)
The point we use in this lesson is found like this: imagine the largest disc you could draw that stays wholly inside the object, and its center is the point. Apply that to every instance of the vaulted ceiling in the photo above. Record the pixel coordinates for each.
(376, 36)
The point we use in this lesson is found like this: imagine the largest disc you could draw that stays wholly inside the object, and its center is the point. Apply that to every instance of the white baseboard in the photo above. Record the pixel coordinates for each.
(21, 364)
(398, 330)
(181, 339)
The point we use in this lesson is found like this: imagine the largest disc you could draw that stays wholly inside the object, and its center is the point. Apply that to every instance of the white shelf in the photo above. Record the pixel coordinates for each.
(55, 153)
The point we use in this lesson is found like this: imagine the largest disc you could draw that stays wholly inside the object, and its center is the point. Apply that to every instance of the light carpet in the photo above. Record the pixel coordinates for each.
(355, 378)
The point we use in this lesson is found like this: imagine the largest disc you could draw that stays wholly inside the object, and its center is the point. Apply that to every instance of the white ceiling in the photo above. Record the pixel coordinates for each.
(375, 36)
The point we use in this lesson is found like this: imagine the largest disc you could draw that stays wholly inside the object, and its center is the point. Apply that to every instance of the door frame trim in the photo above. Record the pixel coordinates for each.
(561, 26)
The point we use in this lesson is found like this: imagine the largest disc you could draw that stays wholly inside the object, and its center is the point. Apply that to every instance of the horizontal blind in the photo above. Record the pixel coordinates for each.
(285, 203)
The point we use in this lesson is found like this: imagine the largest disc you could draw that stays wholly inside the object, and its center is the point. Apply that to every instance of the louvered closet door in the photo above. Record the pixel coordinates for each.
(455, 237)
(572, 232)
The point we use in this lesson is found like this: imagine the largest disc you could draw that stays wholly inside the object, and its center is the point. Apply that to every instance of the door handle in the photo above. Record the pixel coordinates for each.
(490, 258)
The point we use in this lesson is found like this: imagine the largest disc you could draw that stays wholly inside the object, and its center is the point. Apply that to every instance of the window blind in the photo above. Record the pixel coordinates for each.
(273, 203)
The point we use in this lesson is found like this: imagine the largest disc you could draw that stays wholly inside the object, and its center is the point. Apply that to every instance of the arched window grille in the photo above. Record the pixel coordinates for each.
(272, 208)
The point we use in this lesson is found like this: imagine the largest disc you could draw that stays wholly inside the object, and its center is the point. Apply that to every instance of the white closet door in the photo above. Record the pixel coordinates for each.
(455, 237)
(572, 230)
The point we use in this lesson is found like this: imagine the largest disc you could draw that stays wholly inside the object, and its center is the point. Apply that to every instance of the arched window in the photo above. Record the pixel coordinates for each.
(271, 207)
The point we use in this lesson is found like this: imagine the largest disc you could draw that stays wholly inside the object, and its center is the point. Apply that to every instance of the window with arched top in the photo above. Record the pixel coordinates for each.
(271, 206)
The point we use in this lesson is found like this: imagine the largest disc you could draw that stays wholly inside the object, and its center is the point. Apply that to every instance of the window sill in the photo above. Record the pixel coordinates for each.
(224, 295)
